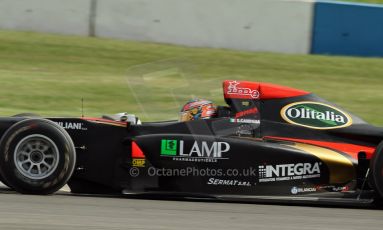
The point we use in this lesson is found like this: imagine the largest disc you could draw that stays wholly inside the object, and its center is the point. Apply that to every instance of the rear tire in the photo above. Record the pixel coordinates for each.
(376, 167)
(37, 156)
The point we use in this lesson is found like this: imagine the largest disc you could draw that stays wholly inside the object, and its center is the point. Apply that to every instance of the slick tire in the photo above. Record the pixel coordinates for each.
(37, 156)
(30, 115)
(376, 167)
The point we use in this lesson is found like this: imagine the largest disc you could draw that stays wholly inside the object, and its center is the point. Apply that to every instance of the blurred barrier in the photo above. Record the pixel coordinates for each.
(286, 26)
(348, 29)
(52, 16)
(256, 25)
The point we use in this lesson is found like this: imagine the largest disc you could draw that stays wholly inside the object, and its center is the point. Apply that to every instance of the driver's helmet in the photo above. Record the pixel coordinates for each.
(198, 109)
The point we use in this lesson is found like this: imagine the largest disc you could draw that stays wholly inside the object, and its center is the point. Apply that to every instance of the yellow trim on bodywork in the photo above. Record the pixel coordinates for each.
(341, 168)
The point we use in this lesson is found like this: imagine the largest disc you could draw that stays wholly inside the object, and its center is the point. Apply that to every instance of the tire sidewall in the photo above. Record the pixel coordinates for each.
(66, 156)
(376, 168)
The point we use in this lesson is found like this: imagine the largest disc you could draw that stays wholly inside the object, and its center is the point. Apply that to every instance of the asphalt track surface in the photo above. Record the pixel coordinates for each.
(66, 211)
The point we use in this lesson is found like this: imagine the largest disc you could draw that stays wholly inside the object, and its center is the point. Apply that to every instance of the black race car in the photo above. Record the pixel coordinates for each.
(270, 143)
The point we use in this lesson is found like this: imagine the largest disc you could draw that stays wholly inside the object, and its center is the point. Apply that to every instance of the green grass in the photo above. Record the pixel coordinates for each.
(49, 74)
(364, 1)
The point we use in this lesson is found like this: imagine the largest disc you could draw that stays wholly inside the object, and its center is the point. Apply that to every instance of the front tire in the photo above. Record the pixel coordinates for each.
(30, 115)
(37, 156)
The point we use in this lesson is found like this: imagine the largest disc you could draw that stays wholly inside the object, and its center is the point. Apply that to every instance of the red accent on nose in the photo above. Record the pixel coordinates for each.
(136, 151)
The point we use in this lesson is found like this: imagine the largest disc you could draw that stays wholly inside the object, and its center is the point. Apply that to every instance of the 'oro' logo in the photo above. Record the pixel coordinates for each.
(315, 115)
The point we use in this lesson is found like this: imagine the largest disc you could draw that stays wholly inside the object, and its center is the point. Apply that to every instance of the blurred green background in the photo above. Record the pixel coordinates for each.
(50, 74)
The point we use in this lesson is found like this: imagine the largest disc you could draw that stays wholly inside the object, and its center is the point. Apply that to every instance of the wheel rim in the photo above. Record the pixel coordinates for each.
(36, 156)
